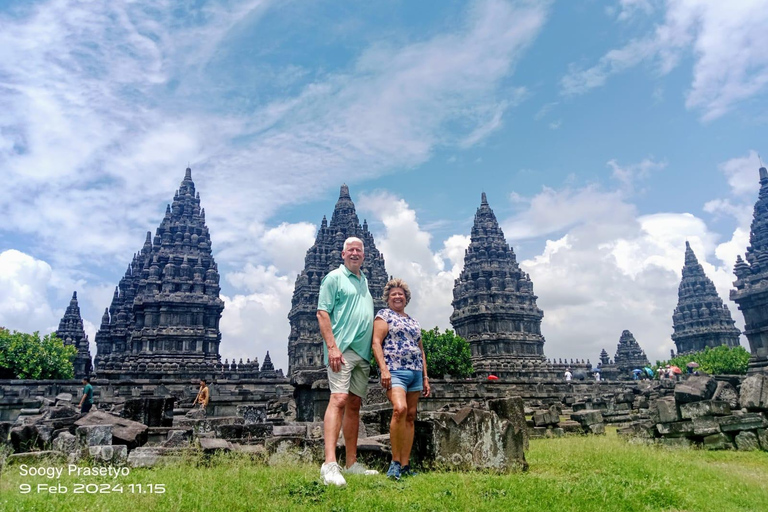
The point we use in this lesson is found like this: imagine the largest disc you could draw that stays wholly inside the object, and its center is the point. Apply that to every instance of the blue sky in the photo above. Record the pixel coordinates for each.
(605, 133)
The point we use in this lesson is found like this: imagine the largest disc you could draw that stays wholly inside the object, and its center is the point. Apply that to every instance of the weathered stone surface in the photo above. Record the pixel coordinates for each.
(588, 417)
(94, 435)
(725, 392)
(472, 438)
(676, 429)
(746, 441)
(65, 442)
(152, 411)
(754, 393)
(706, 425)
(695, 389)
(596, 428)
(30, 437)
(252, 413)
(148, 456)
(124, 431)
(64, 398)
(666, 411)
(72, 332)
(546, 418)
(704, 408)
(675, 442)
(212, 444)
(62, 411)
(718, 441)
(35, 457)
(290, 431)
(748, 421)
(116, 455)
(762, 438)
(177, 439)
(5, 430)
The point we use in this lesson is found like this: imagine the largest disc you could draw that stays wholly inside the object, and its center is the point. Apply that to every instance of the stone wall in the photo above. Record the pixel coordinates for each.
(226, 394)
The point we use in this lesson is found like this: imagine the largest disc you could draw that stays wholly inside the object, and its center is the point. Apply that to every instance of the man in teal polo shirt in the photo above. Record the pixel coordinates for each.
(345, 315)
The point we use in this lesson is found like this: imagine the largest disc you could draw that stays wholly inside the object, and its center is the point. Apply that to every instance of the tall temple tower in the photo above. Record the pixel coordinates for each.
(629, 355)
(71, 332)
(494, 307)
(166, 309)
(305, 345)
(751, 293)
(700, 319)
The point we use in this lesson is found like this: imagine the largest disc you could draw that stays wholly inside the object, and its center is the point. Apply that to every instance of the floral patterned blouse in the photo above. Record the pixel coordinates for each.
(401, 346)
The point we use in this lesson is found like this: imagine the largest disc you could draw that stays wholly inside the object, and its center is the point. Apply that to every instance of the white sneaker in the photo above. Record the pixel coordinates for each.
(359, 469)
(331, 473)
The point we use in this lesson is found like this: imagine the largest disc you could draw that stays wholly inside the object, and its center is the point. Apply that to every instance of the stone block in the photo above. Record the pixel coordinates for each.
(124, 431)
(65, 442)
(746, 441)
(725, 392)
(153, 411)
(177, 439)
(748, 421)
(718, 441)
(252, 413)
(754, 393)
(675, 442)
(63, 398)
(290, 431)
(31, 437)
(625, 397)
(149, 456)
(675, 429)
(546, 418)
(588, 417)
(5, 430)
(94, 435)
(596, 428)
(706, 425)
(695, 389)
(213, 444)
(36, 458)
(704, 408)
(115, 455)
(666, 410)
(762, 438)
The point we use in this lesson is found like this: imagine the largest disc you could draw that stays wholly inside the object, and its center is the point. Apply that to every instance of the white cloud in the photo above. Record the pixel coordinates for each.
(629, 175)
(726, 38)
(24, 282)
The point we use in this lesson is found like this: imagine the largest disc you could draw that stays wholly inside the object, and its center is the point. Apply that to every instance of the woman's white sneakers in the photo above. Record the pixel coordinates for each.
(331, 473)
(359, 469)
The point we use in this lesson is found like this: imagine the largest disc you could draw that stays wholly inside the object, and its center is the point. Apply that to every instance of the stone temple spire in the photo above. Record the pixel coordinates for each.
(700, 319)
(166, 308)
(629, 355)
(494, 307)
(71, 332)
(751, 293)
(305, 345)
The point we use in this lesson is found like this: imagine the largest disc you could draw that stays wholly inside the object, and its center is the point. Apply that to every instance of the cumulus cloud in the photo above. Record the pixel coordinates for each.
(24, 282)
(726, 39)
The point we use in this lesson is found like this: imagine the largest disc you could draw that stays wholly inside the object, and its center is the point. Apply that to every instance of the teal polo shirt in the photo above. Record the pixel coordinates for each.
(347, 300)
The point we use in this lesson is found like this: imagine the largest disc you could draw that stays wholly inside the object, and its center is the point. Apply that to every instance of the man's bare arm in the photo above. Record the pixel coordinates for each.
(335, 359)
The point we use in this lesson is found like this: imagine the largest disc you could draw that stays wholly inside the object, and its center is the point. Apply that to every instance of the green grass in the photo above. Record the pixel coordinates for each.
(566, 474)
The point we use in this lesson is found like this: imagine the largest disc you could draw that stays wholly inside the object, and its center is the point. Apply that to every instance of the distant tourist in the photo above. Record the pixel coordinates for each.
(203, 395)
(86, 402)
(568, 374)
(402, 362)
(345, 317)
(597, 376)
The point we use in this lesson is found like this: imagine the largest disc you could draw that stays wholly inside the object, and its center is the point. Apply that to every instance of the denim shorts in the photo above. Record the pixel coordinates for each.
(409, 380)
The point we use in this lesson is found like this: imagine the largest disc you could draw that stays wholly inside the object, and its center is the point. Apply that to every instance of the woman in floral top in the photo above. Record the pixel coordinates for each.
(400, 355)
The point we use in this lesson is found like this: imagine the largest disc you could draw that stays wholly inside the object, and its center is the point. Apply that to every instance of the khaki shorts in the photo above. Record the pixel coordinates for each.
(353, 376)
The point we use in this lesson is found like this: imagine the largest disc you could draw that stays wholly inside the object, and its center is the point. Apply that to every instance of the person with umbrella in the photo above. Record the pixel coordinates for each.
(636, 373)
(692, 367)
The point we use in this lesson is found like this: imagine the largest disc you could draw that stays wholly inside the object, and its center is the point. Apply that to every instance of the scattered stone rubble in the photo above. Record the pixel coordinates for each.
(710, 414)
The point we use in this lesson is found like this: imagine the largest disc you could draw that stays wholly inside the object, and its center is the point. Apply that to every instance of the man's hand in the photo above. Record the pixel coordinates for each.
(386, 379)
(335, 359)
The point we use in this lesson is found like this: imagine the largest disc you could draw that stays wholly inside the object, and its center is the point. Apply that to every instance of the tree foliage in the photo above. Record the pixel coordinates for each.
(447, 354)
(722, 360)
(27, 356)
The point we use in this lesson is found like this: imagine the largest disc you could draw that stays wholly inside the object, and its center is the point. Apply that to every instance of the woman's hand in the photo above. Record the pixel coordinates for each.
(427, 390)
(386, 379)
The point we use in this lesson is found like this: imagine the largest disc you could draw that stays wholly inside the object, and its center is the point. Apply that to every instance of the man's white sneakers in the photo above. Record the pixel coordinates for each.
(331, 473)
(359, 469)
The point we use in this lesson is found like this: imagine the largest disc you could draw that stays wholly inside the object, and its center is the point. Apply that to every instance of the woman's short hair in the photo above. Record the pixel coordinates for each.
(397, 283)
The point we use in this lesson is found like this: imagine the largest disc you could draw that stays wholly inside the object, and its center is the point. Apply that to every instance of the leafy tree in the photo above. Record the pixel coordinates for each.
(27, 356)
(447, 354)
(722, 360)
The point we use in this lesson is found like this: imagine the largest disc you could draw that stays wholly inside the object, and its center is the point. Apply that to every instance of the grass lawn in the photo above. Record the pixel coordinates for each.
(568, 474)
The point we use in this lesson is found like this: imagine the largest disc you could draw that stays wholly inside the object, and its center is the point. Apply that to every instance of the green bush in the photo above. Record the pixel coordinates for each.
(27, 356)
(722, 360)
(447, 354)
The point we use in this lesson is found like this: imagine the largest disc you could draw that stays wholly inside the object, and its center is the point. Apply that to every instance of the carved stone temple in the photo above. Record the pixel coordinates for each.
(71, 332)
(494, 307)
(629, 355)
(305, 345)
(166, 309)
(700, 319)
(751, 293)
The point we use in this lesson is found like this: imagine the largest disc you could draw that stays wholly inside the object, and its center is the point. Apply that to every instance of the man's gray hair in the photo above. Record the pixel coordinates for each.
(353, 239)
